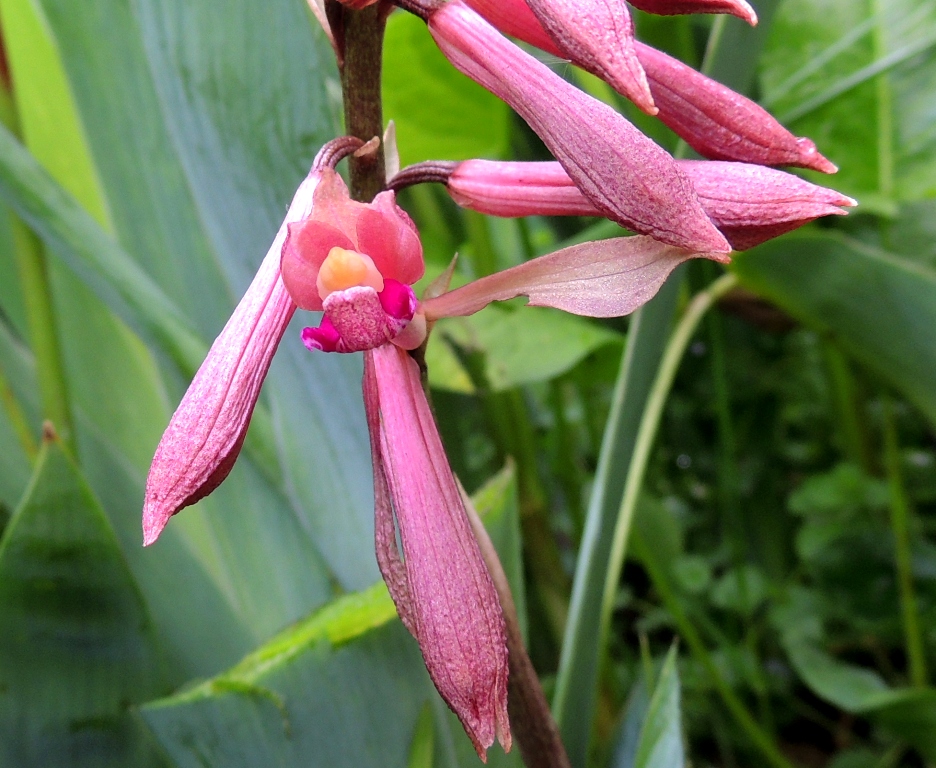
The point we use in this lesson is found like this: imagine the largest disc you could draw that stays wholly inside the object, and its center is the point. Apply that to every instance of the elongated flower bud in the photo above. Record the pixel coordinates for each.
(737, 8)
(748, 203)
(598, 35)
(719, 123)
(441, 586)
(205, 435)
(623, 173)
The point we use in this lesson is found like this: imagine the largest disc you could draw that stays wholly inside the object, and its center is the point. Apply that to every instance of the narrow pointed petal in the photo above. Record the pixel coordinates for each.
(738, 8)
(598, 35)
(627, 176)
(719, 123)
(752, 204)
(205, 435)
(441, 583)
(605, 278)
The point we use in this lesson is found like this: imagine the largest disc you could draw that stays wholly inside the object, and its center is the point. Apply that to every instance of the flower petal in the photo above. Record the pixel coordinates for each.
(205, 435)
(629, 178)
(387, 234)
(598, 35)
(737, 8)
(306, 248)
(449, 601)
(605, 278)
(719, 123)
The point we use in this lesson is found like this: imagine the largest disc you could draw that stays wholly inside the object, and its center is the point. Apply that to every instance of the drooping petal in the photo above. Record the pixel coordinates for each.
(628, 177)
(719, 123)
(441, 585)
(605, 278)
(598, 35)
(738, 8)
(205, 435)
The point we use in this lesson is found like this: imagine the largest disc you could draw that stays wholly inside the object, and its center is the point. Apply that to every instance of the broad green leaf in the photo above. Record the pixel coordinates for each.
(439, 113)
(445, 369)
(345, 686)
(77, 646)
(880, 308)
(909, 713)
(651, 735)
(524, 347)
(822, 79)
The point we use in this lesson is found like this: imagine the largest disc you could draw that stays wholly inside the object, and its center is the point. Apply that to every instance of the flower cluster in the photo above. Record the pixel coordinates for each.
(356, 263)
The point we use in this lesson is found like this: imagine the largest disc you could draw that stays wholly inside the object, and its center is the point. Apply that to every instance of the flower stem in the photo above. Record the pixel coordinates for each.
(900, 522)
(360, 85)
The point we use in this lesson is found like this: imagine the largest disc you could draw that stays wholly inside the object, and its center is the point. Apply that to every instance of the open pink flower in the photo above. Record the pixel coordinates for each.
(356, 263)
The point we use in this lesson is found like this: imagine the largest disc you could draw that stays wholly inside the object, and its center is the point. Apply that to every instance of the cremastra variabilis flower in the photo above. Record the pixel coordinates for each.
(356, 263)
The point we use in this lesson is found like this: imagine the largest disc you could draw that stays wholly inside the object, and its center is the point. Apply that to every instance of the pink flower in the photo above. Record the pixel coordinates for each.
(748, 203)
(356, 262)
(623, 173)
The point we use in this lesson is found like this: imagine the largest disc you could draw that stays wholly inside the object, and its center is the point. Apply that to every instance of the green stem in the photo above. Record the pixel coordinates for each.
(885, 114)
(40, 313)
(697, 648)
(575, 697)
(845, 395)
(484, 259)
(43, 334)
(900, 522)
(17, 419)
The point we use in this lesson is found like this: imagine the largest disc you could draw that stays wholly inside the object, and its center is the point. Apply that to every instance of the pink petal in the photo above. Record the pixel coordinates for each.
(387, 234)
(628, 177)
(598, 35)
(719, 123)
(205, 435)
(605, 278)
(441, 586)
(514, 17)
(306, 247)
(752, 204)
(737, 8)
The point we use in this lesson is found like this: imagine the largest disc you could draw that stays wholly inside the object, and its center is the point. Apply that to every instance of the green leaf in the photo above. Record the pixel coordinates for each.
(880, 308)
(822, 79)
(651, 736)
(77, 646)
(344, 685)
(439, 113)
(909, 713)
(534, 345)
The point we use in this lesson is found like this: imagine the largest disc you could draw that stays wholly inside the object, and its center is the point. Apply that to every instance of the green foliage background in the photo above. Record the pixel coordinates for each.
(784, 533)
